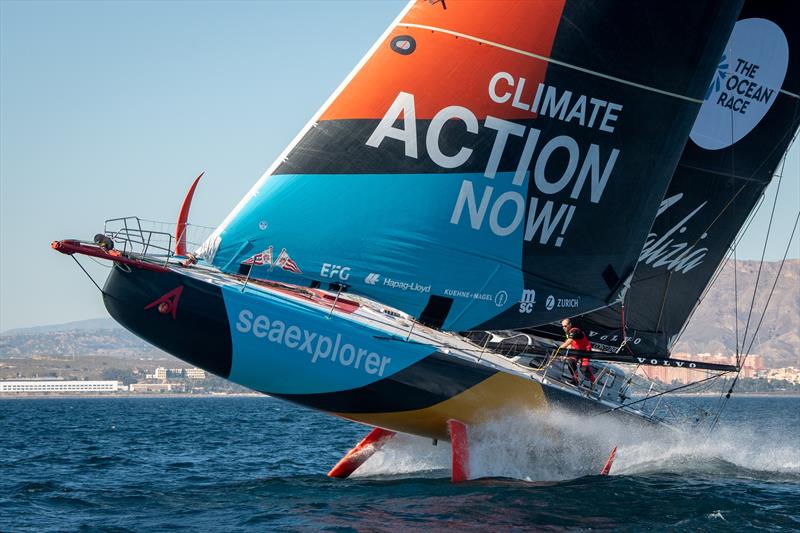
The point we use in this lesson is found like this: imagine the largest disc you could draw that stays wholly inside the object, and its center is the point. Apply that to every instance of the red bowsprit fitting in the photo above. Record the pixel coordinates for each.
(362, 451)
(66, 246)
(71, 246)
(606, 469)
(460, 450)
(183, 216)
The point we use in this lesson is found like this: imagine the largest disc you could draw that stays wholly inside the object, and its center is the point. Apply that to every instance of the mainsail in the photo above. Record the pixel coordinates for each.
(488, 164)
(750, 116)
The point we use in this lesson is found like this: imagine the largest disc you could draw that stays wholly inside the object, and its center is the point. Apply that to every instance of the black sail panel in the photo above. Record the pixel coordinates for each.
(751, 114)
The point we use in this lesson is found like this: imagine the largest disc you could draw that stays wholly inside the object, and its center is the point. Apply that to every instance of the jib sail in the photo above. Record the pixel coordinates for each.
(750, 115)
(488, 164)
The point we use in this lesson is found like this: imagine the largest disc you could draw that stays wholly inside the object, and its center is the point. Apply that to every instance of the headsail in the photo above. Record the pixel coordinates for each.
(491, 164)
(751, 114)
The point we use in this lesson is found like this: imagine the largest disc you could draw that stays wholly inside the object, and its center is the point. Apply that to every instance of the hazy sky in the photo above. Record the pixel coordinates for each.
(111, 108)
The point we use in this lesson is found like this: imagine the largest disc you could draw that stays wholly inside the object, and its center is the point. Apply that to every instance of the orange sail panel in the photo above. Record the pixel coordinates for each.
(452, 63)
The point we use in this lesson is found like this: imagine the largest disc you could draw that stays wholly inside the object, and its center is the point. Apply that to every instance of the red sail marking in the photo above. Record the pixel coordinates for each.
(523, 25)
(180, 229)
(167, 303)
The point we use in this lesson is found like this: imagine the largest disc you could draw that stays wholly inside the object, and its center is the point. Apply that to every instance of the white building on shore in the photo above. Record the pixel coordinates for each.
(194, 373)
(45, 386)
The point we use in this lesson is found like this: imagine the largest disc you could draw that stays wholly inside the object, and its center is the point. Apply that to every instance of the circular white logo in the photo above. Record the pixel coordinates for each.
(500, 298)
(745, 85)
(550, 303)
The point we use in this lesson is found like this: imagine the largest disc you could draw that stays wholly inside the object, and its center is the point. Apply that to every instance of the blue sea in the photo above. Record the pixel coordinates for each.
(259, 464)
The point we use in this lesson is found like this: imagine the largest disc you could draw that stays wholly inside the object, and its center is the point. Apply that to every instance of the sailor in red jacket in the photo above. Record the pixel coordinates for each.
(577, 340)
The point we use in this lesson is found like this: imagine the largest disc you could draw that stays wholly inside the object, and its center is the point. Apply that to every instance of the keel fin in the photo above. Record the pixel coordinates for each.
(460, 448)
(361, 452)
(606, 469)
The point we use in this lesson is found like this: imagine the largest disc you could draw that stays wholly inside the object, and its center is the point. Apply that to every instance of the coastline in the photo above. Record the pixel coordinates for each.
(111, 395)
(37, 396)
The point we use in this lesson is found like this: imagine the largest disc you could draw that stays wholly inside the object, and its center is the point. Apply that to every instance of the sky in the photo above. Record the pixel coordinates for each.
(110, 109)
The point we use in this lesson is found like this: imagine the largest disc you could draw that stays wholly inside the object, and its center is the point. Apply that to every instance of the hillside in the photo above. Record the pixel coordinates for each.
(712, 328)
(82, 325)
(96, 337)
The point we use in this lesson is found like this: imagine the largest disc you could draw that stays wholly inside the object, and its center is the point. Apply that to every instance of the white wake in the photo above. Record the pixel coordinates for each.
(562, 445)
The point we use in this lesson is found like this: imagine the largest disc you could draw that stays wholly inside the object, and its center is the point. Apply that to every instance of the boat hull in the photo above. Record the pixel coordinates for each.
(300, 351)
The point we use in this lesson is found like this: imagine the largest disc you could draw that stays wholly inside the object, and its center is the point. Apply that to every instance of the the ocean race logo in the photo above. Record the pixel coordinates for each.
(745, 85)
(719, 77)
(552, 164)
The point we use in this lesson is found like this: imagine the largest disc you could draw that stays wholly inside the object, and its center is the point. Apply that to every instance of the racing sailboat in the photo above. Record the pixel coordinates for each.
(486, 166)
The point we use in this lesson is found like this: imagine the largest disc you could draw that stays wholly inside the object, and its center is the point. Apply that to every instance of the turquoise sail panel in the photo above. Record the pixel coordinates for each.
(331, 228)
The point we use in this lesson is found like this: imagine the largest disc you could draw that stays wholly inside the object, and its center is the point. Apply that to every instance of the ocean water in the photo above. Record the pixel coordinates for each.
(259, 464)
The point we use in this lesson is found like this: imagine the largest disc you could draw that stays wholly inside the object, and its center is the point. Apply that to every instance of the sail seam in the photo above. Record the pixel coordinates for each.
(557, 62)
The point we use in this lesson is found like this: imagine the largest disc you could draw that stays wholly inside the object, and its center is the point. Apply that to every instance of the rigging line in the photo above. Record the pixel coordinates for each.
(774, 284)
(720, 406)
(624, 328)
(766, 158)
(553, 61)
(663, 301)
(787, 133)
(735, 279)
(761, 320)
(737, 239)
(705, 231)
(763, 253)
(742, 233)
(723, 174)
(664, 392)
(99, 263)
(170, 224)
(736, 303)
(89, 275)
(720, 268)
